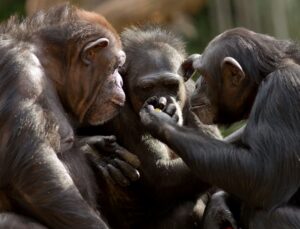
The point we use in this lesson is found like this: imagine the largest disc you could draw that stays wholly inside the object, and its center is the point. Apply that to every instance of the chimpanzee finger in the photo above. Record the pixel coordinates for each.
(110, 143)
(171, 109)
(175, 118)
(89, 140)
(152, 101)
(110, 139)
(100, 140)
(150, 107)
(128, 157)
(117, 176)
(105, 174)
(162, 102)
(128, 170)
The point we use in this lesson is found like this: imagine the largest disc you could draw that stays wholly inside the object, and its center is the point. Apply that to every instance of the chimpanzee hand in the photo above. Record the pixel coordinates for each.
(115, 163)
(218, 215)
(156, 112)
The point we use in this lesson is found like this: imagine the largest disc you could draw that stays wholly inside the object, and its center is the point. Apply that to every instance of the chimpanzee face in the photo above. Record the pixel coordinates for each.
(223, 89)
(203, 101)
(154, 73)
(93, 84)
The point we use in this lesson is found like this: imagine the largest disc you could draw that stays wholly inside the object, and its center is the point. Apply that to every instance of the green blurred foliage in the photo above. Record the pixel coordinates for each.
(10, 7)
(204, 32)
(226, 130)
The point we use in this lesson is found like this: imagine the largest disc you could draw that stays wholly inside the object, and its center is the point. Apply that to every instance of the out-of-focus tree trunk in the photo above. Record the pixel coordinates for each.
(267, 16)
(279, 16)
(247, 14)
(220, 15)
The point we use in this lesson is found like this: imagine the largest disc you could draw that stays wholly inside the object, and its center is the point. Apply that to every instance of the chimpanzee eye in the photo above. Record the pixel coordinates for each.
(147, 86)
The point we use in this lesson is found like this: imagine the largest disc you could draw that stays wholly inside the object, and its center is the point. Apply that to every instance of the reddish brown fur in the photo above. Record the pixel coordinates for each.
(94, 17)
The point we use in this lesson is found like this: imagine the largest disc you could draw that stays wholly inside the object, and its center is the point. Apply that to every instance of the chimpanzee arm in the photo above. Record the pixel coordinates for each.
(171, 176)
(264, 163)
(281, 218)
(36, 179)
(200, 151)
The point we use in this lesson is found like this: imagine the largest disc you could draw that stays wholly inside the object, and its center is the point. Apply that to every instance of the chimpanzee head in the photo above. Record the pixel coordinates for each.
(154, 57)
(232, 66)
(84, 54)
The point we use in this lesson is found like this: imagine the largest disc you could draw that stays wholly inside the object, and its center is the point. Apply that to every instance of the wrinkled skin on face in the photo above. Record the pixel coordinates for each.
(159, 77)
(223, 93)
(100, 95)
(200, 103)
(92, 87)
(110, 97)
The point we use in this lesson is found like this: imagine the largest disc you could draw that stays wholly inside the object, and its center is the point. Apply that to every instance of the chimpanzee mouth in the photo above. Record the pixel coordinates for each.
(118, 101)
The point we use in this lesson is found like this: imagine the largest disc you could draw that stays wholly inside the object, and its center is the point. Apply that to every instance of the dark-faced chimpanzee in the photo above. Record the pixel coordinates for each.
(254, 76)
(166, 194)
(58, 70)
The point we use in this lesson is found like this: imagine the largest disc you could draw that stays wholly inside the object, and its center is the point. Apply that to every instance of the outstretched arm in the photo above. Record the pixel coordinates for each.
(237, 170)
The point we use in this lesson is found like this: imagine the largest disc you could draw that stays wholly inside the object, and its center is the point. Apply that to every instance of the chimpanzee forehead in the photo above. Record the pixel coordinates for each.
(163, 75)
(161, 59)
(95, 18)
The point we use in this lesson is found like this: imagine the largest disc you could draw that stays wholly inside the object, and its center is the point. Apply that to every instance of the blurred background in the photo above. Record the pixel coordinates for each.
(196, 21)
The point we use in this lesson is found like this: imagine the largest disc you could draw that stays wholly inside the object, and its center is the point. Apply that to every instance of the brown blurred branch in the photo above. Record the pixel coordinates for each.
(122, 13)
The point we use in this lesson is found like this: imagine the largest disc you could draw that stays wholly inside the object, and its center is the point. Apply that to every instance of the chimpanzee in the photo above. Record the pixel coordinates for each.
(166, 194)
(254, 76)
(58, 70)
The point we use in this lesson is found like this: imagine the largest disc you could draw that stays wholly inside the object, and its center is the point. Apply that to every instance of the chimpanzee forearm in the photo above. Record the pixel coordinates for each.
(171, 177)
(231, 168)
(11, 220)
(281, 218)
(175, 178)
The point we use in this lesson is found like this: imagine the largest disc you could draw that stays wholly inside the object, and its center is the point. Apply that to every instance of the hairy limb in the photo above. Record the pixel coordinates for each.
(217, 162)
(115, 163)
(36, 179)
(219, 212)
(280, 218)
(13, 221)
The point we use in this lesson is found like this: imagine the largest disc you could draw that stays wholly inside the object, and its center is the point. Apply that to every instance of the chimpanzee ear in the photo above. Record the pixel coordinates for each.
(89, 51)
(189, 66)
(232, 70)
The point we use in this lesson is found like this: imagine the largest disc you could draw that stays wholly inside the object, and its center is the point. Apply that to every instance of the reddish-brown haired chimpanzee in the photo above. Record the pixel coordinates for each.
(58, 70)
(254, 76)
(165, 196)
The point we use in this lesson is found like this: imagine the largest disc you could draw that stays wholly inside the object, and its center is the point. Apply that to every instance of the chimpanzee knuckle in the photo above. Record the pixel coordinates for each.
(171, 109)
(110, 145)
(131, 158)
(117, 176)
(95, 140)
(145, 117)
(110, 139)
(162, 102)
(128, 170)
(175, 118)
(104, 172)
(152, 101)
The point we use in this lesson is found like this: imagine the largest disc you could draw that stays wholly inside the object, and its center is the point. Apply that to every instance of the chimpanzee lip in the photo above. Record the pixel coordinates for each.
(118, 102)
